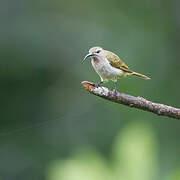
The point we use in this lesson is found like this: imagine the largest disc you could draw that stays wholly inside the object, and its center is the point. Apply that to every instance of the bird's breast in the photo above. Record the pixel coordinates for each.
(105, 70)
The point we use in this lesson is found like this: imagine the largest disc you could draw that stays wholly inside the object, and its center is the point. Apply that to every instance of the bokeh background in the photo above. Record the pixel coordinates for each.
(50, 127)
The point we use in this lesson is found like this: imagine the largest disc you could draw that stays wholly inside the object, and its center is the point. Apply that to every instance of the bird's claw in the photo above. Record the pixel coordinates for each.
(97, 85)
(115, 92)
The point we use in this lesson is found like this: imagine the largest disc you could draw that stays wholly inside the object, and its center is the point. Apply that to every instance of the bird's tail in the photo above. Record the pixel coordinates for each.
(141, 75)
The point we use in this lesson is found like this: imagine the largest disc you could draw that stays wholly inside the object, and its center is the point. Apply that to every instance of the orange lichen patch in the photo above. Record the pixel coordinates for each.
(88, 85)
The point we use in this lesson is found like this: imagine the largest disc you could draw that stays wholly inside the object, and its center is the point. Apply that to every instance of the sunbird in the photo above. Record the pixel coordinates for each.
(109, 66)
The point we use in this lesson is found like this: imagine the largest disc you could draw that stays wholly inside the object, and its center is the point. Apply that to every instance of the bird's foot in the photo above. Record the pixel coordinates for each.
(98, 84)
(115, 92)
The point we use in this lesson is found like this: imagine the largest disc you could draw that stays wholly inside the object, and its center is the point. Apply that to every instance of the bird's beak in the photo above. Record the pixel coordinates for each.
(88, 55)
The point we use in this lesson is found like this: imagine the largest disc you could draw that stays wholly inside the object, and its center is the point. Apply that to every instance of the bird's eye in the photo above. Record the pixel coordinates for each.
(98, 51)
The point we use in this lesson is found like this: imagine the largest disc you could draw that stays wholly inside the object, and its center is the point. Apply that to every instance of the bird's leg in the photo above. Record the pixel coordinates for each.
(115, 91)
(98, 84)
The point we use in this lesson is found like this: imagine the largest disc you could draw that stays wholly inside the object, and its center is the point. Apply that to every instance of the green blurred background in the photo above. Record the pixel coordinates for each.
(50, 127)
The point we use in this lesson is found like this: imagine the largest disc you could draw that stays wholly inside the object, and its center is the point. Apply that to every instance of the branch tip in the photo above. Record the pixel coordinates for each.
(89, 86)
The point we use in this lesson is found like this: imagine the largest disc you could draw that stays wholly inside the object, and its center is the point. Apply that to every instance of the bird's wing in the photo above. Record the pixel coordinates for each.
(116, 62)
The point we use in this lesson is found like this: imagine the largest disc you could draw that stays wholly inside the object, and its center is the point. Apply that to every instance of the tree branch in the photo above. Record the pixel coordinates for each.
(131, 101)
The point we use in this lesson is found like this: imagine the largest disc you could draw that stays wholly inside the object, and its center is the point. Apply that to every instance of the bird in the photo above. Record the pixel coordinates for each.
(109, 66)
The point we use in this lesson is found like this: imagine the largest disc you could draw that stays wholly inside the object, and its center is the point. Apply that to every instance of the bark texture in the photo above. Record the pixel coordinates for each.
(132, 101)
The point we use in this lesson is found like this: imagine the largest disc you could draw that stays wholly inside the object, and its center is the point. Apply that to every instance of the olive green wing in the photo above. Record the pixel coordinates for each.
(116, 62)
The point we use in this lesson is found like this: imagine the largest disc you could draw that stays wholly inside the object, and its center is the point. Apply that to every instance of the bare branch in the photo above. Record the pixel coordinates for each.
(131, 101)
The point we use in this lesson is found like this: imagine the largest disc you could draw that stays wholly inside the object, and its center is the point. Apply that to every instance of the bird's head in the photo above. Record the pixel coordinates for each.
(97, 52)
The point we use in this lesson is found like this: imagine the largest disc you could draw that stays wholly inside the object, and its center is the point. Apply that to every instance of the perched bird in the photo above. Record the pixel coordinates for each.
(109, 66)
